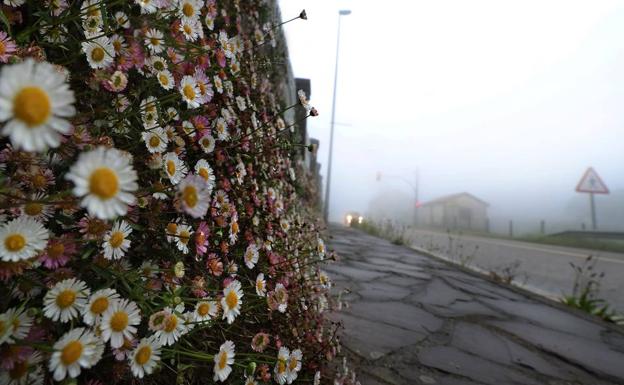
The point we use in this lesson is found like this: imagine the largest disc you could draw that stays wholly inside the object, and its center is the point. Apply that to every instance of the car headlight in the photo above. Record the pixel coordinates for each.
(360, 219)
(349, 219)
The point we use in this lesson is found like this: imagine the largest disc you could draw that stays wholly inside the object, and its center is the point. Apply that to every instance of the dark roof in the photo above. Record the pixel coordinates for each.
(451, 197)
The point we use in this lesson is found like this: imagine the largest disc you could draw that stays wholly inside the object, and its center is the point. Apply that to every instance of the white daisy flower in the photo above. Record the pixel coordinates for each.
(172, 328)
(250, 380)
(165, 78)
(294, 365)
(251, 256)
(36, 209)
(223, 361)
(190, 91)
(222, 129)
(149, 112)
(26, 372)
(116, 241)
(324, 280)
(207, 143)
(218, 84)
(183, 237)
(122, 20)
(65, 300)
(194, 194)
(105, 179)
(76, 349)
(260, 285)
(284, 224)
(154, 40)
(240, 102)
(35, 102)
(155, 139)
(156, 64)
(205, 310)
(145, 357)
(281, 366)
(98, 303)
(203, 169)
(231, 301)
(191, 29)
(18, 322)
(189, 9)
(22, 238)
(320, 248)
(317, 378)
(174, 167)
(119, 321)
(100, 52)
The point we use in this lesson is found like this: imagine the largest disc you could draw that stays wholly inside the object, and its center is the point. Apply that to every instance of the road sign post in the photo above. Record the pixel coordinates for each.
(592, 183)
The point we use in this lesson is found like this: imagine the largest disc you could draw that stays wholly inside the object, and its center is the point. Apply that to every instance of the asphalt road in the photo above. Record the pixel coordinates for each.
(542, 268)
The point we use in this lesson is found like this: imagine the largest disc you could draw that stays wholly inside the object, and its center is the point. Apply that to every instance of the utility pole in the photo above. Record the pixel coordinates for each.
(341, 13)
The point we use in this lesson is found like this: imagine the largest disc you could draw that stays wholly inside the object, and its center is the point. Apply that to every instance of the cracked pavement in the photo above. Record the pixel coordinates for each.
(414, 319)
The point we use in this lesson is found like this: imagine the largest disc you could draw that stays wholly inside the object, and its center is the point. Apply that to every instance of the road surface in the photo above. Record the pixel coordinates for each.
(542, 268)
(412, 319)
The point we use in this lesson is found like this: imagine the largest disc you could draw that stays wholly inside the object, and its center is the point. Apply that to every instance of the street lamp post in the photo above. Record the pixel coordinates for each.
(343, 12)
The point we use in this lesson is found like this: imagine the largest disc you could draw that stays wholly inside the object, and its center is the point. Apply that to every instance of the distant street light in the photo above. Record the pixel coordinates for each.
(414, 187)
(343, 12)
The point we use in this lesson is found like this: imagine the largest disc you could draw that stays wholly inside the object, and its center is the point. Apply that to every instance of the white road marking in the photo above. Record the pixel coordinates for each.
(527, 247)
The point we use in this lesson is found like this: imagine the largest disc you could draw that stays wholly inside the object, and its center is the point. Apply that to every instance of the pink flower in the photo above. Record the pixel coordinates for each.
(58, 252)
(201, 238)
(259, 342)
(7, 47)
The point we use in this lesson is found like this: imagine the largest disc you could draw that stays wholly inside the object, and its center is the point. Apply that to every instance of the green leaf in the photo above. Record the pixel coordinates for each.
(5, 21)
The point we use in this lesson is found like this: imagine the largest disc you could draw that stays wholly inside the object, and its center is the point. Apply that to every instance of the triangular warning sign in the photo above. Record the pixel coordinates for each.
(591, 183)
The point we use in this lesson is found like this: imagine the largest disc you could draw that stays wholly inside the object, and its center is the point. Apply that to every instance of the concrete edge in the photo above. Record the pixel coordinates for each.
(520, 289)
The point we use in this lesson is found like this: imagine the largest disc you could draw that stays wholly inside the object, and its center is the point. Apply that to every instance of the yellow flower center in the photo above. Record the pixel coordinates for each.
(116, 239)
(33, 208)
(189, 91)
(143, 355)
(231, 299)
(159, 65)
(71, 352)
(99, 306)
(119, 321)
(66, 298)
(203, 309)
(281, 366)
(2, 48)
(188, 10)
(164, 80)
(200, 238)
(260, 285)
(171, 323)
(172, 228)
(202, 88)
(154, 141)
(171, 167)
(235, 227)
(185, 236)
(20, 369)
(97, 54)
(222, 360)
(187, 29)
(56, 250)
(206, 142)
(155, 41)
(190, 196)
(32, 106)
(117, 45)
(104, 183)
(39, 181)
(293, 364)
(15, 242)
(203, 173)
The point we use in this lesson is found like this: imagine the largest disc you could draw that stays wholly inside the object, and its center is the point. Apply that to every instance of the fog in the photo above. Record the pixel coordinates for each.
(509, 101)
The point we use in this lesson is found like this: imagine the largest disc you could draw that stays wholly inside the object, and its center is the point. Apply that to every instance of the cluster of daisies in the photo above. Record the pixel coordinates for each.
(156, 215)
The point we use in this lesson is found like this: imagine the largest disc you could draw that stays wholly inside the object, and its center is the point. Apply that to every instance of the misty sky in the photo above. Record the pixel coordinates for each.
(510, 101)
